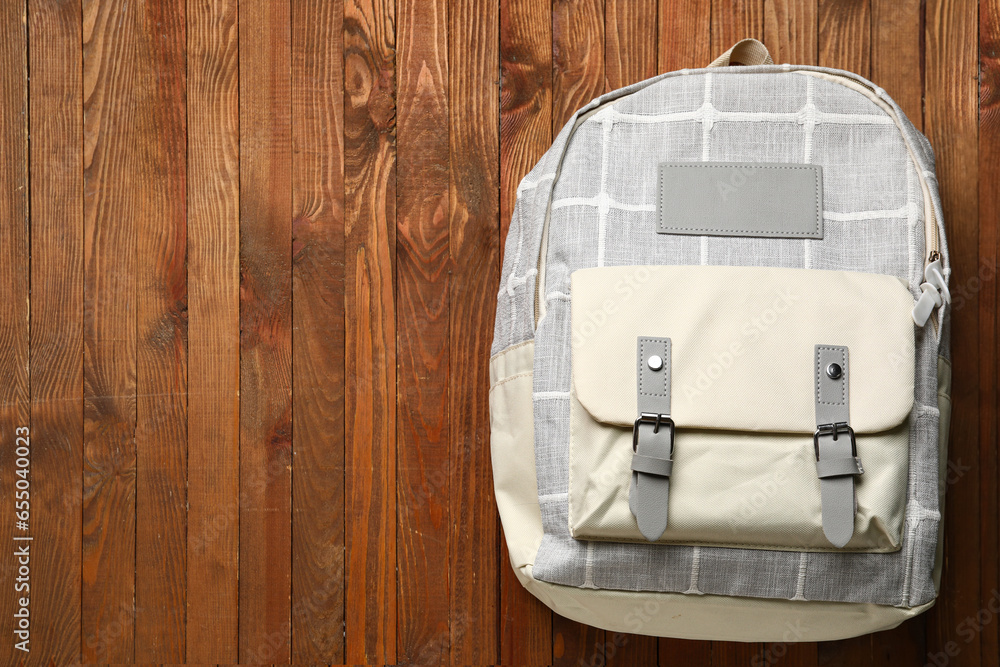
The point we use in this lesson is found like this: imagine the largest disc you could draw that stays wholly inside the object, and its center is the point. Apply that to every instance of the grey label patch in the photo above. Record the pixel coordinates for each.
(741, 199)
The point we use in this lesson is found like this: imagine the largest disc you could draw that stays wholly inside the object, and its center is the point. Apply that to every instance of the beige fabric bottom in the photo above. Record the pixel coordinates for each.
(657, 614)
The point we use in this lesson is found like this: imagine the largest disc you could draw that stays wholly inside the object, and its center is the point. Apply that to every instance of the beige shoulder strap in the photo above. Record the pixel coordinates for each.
(744, 52)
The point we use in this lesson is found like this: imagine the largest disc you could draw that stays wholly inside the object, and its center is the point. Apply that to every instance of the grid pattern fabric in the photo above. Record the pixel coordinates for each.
(596, 187)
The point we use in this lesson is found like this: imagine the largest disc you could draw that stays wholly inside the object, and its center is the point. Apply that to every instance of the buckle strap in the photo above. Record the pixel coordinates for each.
(835, 445)
(652, 438)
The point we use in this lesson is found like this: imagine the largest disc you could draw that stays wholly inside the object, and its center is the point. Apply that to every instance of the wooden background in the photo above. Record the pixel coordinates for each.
(249, 255)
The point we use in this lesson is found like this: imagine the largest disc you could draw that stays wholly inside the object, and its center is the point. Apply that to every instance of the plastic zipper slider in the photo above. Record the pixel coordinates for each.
(934, 288)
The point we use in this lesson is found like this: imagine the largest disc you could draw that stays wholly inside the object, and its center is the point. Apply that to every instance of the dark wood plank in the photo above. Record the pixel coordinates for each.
(790, 28)
(577, 56)
(370, 344)
(853, 651)
(56, 326)
(525, 134)
(630, 56)
(630, 48)
(733, 20)
(318, 344)
(474, 236)
(684, 42)
(845, 33)
(951, 117)
(422, 333)
(213, 330)
(15, 399)
(265, 332)
(111, 198)
(161, 314)
(577, 78)
(575, 643)
(897, 64)
(989, 248)
(684, 39)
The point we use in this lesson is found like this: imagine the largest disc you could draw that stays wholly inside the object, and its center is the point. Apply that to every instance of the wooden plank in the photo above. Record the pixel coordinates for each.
(15, 398)
(790, 28)
(318, 345)
(370, 344)
(577, 78)
(733, 20)
(630, 49)
(845, 35)
(989, 248)
(630, 56)
(854, 651)
(897, 66)
(684, 42)
(214, 325)
(897, 63)
(685, 31)
(265, 332)
(111, 197)
(577, 56)
(161, 314)
(575, 644)
(951, 117)
(474, 239)
(422, 334)
(56, 327)
(525, 134)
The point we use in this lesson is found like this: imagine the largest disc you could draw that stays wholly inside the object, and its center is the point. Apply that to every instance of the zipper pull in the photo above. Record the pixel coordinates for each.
(934, 288)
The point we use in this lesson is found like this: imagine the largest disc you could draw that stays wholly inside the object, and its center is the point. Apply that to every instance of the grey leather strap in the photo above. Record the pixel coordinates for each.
(835, 449)
(653, 438)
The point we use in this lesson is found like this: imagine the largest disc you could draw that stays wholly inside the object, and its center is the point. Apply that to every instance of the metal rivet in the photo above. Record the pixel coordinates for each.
(655, 362)
(834, 371)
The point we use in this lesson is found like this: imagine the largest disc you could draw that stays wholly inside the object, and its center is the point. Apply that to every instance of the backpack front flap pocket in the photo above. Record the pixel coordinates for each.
(740, 406)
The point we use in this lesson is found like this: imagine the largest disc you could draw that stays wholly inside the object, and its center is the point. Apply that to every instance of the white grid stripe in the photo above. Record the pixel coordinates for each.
(808, 125)
(707, 118)
(602, 197)
(712, 114)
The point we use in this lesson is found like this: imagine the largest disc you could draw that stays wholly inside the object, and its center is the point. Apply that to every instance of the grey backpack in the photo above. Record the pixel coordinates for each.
(720, 379)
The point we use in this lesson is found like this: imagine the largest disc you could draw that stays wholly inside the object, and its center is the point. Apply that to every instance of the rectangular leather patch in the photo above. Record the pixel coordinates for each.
(741, 199)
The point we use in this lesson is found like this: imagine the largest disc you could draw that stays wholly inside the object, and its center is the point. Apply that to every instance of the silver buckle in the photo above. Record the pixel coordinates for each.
(835, 430)
(656, 420)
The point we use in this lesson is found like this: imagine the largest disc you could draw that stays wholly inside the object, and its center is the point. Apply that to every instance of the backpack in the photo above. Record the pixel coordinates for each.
(720, 379)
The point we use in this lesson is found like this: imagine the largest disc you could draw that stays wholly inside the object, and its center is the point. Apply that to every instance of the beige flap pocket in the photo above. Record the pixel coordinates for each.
(743, 398)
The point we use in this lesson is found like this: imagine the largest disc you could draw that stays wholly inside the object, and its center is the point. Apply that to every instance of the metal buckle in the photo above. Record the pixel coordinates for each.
(656, 420)
(835, 430)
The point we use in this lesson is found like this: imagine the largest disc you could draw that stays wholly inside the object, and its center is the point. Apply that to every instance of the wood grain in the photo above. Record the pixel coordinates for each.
(685, 31)
(265, 332)
(525, 134)
(577, 56)
(897, 64)
(790, 31)
(15, 399)
(951, 117)
(845, 34)
(111, 197)
(318, 344)
(577, 78)
(474, 246)
(630, 33)
(214, 324)
(370, 343)
(989, 326)
(423, 266)
(733, 20)
(161, 330)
